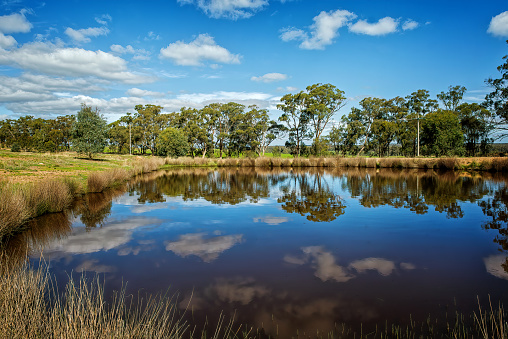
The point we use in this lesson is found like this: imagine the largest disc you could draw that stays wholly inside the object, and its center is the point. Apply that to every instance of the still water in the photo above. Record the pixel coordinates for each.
(287, 250)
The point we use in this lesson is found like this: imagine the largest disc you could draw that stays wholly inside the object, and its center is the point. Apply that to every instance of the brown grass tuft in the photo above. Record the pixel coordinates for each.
(264, 162)
(13, 209)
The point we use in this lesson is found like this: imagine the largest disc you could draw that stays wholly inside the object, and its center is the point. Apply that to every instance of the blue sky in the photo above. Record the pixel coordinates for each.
(115, 55)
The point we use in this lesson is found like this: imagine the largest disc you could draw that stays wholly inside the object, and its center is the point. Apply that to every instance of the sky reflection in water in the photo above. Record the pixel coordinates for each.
(293, 249)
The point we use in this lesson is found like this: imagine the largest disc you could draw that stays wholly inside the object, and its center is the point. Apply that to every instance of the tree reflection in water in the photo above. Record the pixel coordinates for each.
(415, 190)
(496, 208)
(311, 196)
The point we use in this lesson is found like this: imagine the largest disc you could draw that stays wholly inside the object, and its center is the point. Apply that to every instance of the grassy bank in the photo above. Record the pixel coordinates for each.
(26, 196)
(31, 307)
(492, 164)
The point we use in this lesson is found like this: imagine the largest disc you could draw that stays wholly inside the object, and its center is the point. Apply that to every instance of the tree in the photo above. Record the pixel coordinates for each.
(89, 131)
(476, 122)
(497, 100)
(150, 123)
(296, 116)
(442, 134)
(419, 104)
(322, 102)
(172, 142)
(452, 98)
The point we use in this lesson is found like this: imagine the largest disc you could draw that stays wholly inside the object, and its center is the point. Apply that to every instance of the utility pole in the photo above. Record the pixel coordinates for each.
(130, 139)
(418, 136)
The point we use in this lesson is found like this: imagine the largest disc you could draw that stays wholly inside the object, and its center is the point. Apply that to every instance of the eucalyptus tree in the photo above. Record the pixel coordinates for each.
(227, 121)
(149, 123)
(322, 102)
(296, 116)
(497, 100)
(419, 104)
(89, 131)
(476, 122)
(442, 134)
(452, 98)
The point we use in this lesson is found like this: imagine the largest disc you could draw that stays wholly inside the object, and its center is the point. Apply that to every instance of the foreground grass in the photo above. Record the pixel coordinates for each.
(31, 307)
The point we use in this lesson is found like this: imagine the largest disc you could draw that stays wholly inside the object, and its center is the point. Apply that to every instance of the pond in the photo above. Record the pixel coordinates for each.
(295, 249)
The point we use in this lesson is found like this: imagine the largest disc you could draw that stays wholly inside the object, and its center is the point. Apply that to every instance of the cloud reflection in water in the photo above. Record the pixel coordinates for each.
(208, 249)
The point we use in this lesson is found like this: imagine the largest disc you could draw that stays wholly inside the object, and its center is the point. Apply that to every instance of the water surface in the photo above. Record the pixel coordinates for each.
(296, 249)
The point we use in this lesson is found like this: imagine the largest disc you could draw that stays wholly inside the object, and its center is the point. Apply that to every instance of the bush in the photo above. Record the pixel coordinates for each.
(15, 147)
(172, 142)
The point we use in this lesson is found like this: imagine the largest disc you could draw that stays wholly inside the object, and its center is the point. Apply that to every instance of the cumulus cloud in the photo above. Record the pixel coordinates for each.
(84, 34)
(115, 107)
(93, 266)
(499, 25)
(208, 249)
(382, 266)
(323, 30)
(7, 41)
(409, 25)
(136, 92)
(55, 60)
(270, 77)
(14, 23)
(384, 26)
(110, 236)
(30, 87)
(139, 54)
(494, 266)
(326, 267)
(230, 9)
(196, 52)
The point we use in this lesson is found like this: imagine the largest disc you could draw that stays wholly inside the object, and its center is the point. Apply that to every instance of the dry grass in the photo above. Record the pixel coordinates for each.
(13, 209)
(32, 308)
(99, 181)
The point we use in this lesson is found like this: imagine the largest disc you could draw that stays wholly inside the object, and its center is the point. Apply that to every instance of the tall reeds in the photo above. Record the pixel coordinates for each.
(31, 307)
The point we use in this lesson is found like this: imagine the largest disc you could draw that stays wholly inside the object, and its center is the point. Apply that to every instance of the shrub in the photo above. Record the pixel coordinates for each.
(15, 147)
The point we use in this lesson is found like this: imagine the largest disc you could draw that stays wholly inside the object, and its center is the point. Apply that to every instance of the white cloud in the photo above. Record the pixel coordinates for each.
(292, 33)
(208, 249)
(384, 26)
(7, 41)
(324, 263)
(270, 77)
(152, 36)
(51, 59)
(136, 92)
(494, 263)
(499, 25)
(230, 9)
(83, 35)
(409, 25)
(271, 220)
(194, 53)
(104, 19)
(110, 236)
(382, 266)
(139, 54)
(322, 32)
(30, 87)
(14, 23)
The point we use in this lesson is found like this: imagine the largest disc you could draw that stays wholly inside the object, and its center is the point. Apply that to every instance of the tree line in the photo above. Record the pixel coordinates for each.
(416, 123)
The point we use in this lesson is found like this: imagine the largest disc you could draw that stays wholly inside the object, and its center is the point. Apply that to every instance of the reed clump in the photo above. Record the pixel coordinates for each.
(99, 181)
(13, 208)
(31, 307)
